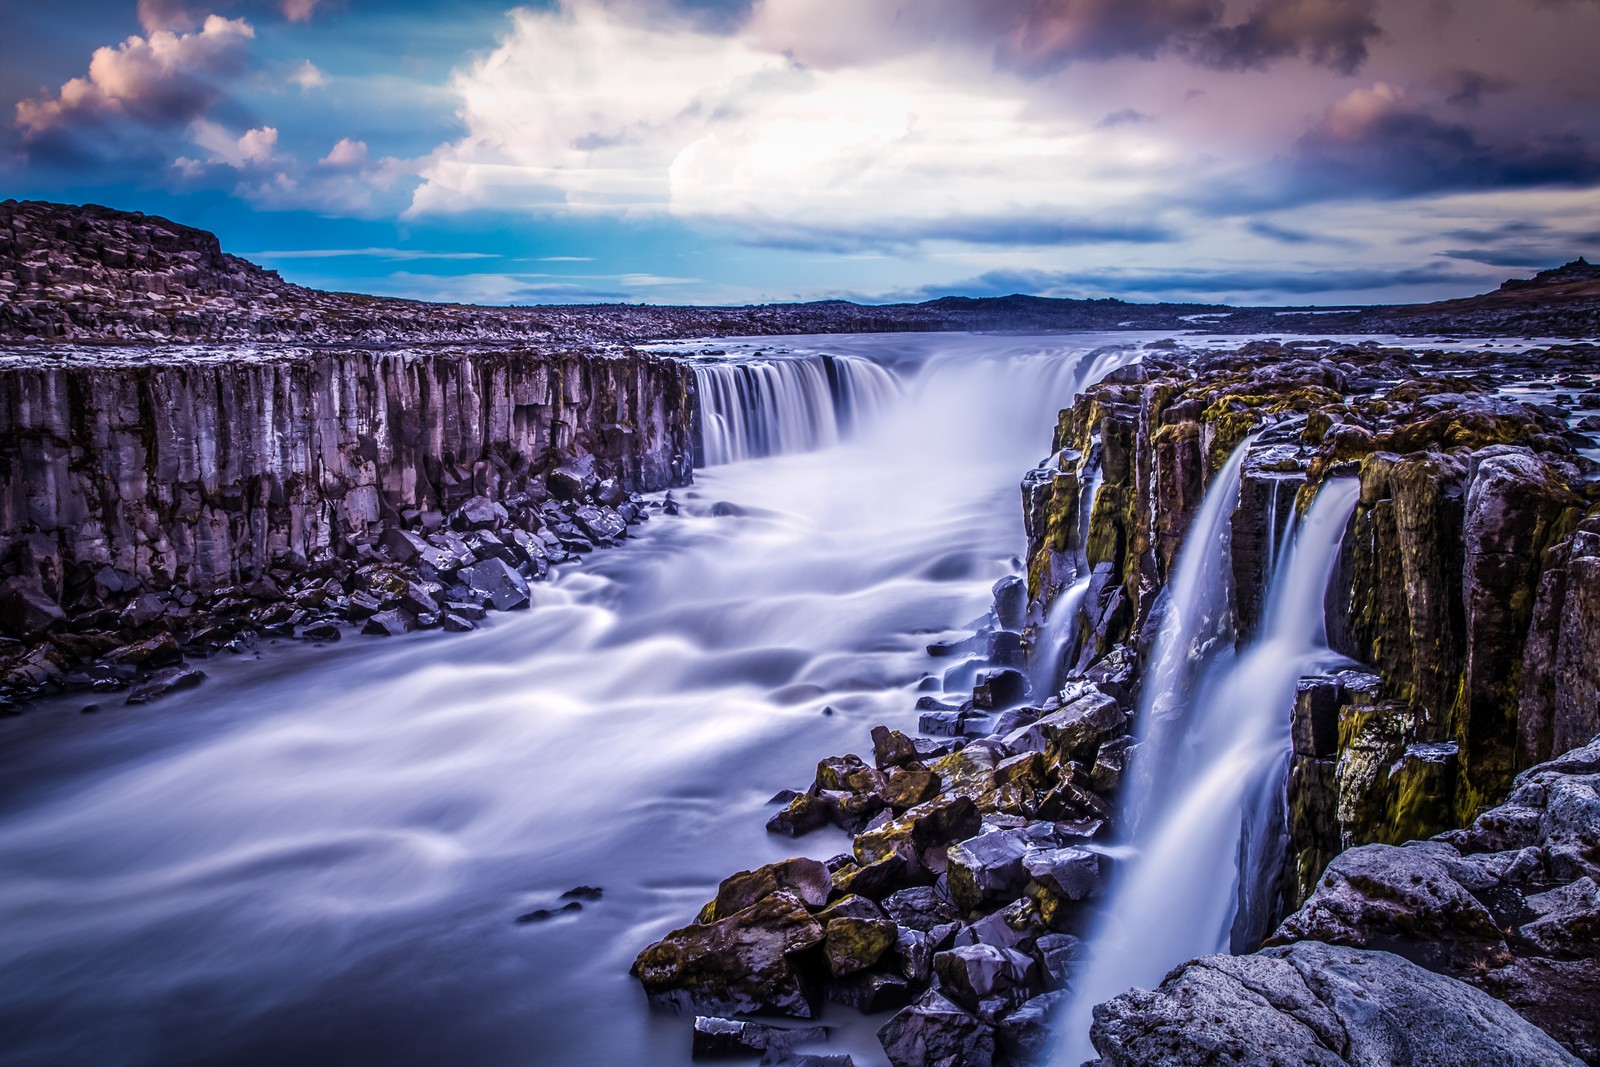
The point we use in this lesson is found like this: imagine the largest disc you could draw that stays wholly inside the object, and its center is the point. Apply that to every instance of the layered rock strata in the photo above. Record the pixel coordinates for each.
(197, 497)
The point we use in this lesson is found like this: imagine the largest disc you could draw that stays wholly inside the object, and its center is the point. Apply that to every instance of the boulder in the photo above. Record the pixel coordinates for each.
(935, 1032)
(26, 612)
(494, 579)
(988, 869)
(167, 680)
(573, 480)
(1310, 1004)
(1074, 873)
(749, 961)
(390, 623)
(716, 1039)
(854, 944)
(807, 879)
(974, 975)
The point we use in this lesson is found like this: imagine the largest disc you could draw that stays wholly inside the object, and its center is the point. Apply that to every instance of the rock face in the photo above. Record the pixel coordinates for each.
(1466, 580)
(1463, 594)
(1310, 1003)
(411, 480)
(1509, 904)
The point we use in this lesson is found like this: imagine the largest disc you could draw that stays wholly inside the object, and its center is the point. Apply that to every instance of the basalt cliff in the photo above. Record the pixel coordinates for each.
(1435, 901)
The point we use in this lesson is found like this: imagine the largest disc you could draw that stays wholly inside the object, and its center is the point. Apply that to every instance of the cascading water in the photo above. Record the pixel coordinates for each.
(1221, 776)
(1055, 637)
(770, 406)
(318, 858)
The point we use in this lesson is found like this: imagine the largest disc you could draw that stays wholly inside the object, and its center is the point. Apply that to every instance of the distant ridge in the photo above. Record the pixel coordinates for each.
(92, 274)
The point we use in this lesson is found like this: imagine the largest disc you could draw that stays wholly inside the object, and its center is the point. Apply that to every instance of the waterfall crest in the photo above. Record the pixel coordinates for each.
(1217, 790)
(768, 406)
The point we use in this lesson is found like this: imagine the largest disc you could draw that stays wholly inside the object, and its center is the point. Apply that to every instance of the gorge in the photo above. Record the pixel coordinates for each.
(1270, 606)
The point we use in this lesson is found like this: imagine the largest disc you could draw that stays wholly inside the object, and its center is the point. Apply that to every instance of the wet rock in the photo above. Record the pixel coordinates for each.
(494, 579)
(1075, 731)
(807, 879)
(539, 915)
(1311, 1003)
(732, 1038)
(935, 1032)
(1074, 873)
(999, 689)
(456, 624)
(746, 962)
(573, 480)
(1025, 1035)
(26, 612)
(988, 869)
(871, 992)
(937, 822)
(920, 908)
(159, 651)
(1010, 602)
(1058, 955)
(805, 813)
(480, 513)
(391, 623)
(320, 631)
(602, 524)
(891, 748)
(167, 680)
(854, 944)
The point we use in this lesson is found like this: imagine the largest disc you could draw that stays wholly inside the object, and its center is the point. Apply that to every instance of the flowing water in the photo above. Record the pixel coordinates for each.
(1211, 844)
(317, 857)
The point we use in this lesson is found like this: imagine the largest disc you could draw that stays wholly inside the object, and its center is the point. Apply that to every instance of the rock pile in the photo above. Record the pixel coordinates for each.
(974, 864)
(425, 570)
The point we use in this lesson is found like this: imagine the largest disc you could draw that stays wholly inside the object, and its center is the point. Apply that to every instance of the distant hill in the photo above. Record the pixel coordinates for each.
(93, 274)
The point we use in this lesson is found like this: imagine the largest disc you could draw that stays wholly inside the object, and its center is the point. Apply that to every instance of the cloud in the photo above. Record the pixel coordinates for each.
(1467, 88)
(1288, 236)
(307, 76)
(299, 10)
(1196, 283)
(1123, 117)
(370, 253)
(1055, 32)
(1376, 142)
(163, 80)
(1332, 33)
(1504, 257)
(588, 110)
(346, 153)
(251, 149)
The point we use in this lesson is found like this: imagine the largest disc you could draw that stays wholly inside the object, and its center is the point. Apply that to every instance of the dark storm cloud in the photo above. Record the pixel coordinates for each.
(1504, 257)
(1374, 143)
(1467, 88)
(1052, 33)
(1332, 33)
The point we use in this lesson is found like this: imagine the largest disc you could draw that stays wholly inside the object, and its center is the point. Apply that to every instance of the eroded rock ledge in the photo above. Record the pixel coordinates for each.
(1463, 600)
(165, 509)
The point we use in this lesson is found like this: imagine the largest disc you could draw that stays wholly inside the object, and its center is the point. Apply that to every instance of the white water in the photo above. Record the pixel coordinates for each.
(317, 858)
(753, 407)
(1055, 640)
(1217, 801)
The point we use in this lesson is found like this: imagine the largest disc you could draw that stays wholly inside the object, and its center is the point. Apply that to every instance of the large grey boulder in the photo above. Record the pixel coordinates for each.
(1314, 1004)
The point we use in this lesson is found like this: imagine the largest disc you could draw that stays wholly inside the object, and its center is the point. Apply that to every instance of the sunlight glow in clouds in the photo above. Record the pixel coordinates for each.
(583, 108)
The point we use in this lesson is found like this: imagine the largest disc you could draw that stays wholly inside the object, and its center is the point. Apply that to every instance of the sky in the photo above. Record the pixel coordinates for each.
(745, 151)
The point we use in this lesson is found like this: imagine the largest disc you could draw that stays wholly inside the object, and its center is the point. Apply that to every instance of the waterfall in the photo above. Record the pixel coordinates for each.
(1053, 642)
(1207, 862)
(766, 406)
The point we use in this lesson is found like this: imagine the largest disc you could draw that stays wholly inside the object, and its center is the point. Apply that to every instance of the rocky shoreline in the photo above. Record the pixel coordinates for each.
(978, 860)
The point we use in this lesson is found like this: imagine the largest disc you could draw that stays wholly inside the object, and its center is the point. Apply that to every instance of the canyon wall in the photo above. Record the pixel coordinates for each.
(1465, 592)
(201, 472)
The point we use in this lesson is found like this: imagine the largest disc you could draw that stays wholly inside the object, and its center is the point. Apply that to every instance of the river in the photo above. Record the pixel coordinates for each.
(318, 855)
